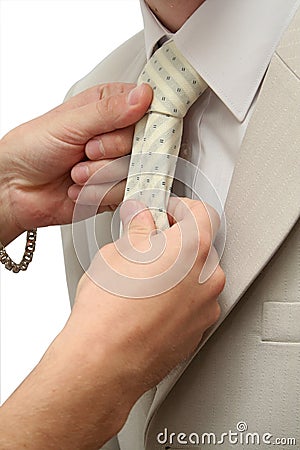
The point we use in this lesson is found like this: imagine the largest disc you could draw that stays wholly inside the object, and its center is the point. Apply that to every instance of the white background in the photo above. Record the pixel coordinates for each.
(46, 46)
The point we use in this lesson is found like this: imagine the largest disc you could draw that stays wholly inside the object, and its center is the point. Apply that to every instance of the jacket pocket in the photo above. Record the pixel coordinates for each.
(281, 322)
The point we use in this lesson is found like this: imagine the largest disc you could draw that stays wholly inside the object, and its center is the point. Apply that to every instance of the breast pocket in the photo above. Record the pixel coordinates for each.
(281, 322)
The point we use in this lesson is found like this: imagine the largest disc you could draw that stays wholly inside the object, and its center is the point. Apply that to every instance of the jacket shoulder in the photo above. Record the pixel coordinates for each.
(123, 64)
(289, 47)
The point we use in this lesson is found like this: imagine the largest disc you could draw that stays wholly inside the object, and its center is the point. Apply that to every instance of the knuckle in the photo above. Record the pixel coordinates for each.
(218, 281)
(108, 108)
(121, 145)
(100, 90)
(102, 106)
(221, 279)
(205, 244)
(216, 313)
(105, 90)
(213, 313)
(113, 88)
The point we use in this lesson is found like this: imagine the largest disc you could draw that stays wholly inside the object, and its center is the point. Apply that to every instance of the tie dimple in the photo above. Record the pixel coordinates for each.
(176, 86)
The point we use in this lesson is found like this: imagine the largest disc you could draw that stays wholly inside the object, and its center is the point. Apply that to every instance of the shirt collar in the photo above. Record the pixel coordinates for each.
(230, 44)
(153, 29)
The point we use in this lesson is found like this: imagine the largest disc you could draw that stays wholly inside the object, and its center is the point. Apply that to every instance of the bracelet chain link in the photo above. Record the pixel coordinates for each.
(27, 257)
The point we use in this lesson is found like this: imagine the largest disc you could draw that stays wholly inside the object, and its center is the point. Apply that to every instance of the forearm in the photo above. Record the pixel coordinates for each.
(72, 400)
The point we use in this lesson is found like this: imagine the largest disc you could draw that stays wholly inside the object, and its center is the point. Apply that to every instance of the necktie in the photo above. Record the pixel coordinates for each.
(176, 86)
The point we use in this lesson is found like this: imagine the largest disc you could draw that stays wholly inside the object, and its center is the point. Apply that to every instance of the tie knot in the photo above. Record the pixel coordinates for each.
(176, 84)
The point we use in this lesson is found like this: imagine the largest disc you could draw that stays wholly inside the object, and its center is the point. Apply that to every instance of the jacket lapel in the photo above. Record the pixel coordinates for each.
(263, 201)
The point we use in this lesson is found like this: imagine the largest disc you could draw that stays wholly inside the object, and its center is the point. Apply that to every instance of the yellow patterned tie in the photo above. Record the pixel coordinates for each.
(176, 86)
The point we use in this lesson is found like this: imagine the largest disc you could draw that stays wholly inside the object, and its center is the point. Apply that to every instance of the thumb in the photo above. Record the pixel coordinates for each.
(107, 114)
(137, 220)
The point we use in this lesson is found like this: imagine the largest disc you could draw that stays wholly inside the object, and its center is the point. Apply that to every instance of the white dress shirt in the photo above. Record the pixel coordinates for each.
(230, 43)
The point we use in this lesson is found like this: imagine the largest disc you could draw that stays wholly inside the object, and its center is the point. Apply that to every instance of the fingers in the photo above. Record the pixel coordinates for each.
(105, 194)
(105, 115)
(185, 209)
(136, 217)
(110, 145)
(99, 183)
(137, 222)
(94, 94)
(198, 224)
(97, 172)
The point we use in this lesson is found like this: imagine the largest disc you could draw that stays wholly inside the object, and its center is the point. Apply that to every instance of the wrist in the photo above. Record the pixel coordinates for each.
(103, 366)
(9, 227)
(106, 345)
(97, 387)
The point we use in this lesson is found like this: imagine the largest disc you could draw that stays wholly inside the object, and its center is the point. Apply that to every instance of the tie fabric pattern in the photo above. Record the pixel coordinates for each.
(156, 144)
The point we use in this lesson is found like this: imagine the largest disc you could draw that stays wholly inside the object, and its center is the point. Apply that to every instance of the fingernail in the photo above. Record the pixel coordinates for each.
(134, 96)
(101, 147)
(82, 173)
(95, 149)
(129, 209)
(73, 192)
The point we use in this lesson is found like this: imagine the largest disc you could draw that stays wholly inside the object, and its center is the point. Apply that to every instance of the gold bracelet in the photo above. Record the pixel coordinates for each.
(27, 257)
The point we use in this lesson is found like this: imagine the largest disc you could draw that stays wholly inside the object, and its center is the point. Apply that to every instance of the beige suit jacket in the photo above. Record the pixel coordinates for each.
(248, 366)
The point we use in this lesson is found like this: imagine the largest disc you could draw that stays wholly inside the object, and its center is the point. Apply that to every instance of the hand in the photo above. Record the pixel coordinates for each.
(36, 158)
(104, 183)
(114, 348)
(111, 305)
